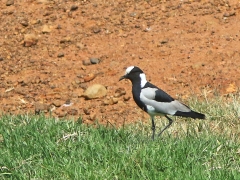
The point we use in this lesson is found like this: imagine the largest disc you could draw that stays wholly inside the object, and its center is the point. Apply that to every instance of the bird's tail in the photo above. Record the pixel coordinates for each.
(191, 114)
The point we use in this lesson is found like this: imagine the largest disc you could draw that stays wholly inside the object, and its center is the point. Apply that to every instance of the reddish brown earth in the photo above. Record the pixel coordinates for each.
(185, 47)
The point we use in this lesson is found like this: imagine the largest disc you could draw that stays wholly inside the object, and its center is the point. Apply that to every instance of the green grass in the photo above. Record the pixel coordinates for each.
(35, 147)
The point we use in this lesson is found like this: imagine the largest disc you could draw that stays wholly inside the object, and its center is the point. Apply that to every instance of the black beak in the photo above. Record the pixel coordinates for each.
(123, 77)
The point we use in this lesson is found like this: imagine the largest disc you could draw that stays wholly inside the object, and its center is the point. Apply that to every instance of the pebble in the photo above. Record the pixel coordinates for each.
(110, 101)
(95, 91)
(228, 14)
(96, 30)
(94, 60)
(89, 77)
(65, 39)
(106, 102)
(46, 29)
(117, 95)
(30, 40)
(24, 23)
(21, 91)
(133, 14)
(164, 41)
(59, 26)
(41, 107)
(74, 7)
(86, 62)
(9, 2)
(60, 55)
(115, 100)
(126, 98)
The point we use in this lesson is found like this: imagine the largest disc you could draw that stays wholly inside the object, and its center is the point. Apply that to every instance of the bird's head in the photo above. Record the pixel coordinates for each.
(134, 73)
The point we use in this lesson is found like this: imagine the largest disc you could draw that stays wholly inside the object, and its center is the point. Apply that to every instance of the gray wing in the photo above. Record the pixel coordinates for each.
(158, 101)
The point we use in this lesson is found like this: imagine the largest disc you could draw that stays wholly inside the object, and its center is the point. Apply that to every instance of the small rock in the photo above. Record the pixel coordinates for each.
(24, 23)
(86, 62)
(96, 30)
(228, 14)
(30, 40)
(106, 102)
(1, 58)
(164, 41)
(115, 100)
(94, 60)
(70, 14)
(133, 14)
(126, 98)
(47, 13)
(74, 7)
(21, 91)
(110, 101)
(41, 107)
(60, 55)
(59, 26)
(83, 67)
(46, 29)
(65, 40)
(35, 21)
(117, 95)
(89, 77)
(229, 38)
(9, 2)
(95, 91)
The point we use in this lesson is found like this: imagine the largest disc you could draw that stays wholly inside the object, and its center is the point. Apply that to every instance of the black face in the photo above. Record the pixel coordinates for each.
(133, 73)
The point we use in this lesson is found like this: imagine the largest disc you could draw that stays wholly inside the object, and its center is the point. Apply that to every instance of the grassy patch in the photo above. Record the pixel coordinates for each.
(38, 148)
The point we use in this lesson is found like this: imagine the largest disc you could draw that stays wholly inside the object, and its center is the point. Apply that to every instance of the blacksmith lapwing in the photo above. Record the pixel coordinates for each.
(155, 101)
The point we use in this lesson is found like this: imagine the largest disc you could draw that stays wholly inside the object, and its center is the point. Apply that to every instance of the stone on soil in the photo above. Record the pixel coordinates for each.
(95, 91)
(30, 40)
(94, 60)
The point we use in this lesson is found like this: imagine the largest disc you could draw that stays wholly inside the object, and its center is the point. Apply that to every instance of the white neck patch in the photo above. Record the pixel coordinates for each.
(143, 79)
(129, 69)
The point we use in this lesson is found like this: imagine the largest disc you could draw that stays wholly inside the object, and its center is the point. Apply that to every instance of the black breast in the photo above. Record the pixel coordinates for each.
(136, 90)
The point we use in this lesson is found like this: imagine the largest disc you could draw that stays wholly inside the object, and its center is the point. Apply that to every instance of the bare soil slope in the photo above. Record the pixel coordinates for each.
(185, 47)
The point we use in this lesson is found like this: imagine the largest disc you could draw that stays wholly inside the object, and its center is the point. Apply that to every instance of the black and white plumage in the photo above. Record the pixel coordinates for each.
(155, 101)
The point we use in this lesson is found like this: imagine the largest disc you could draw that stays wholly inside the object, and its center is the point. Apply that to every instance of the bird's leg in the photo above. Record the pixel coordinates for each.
(153, 127)
(169, 124)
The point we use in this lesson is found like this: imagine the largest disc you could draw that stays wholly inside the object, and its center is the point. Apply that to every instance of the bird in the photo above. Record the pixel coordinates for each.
(154, 100)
